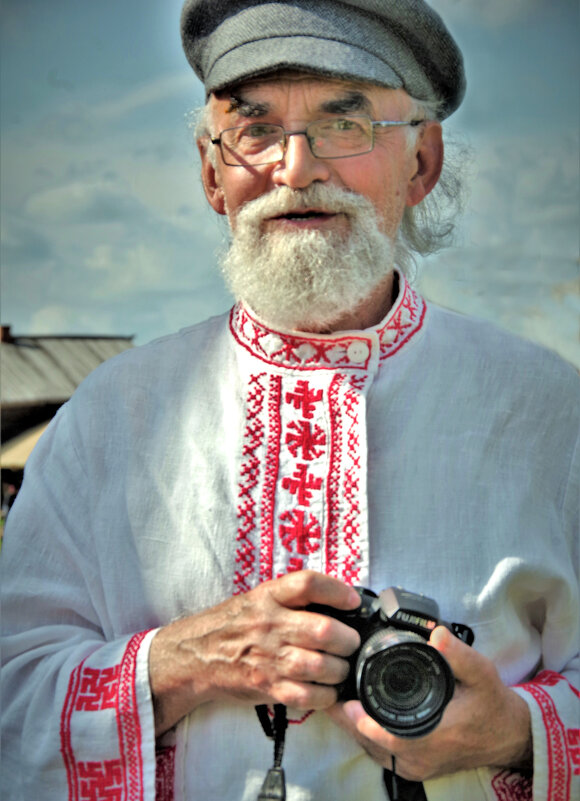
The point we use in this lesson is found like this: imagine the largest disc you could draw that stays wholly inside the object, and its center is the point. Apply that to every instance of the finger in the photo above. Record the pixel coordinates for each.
(304, 587)
(320, 632)
(367, 727)
(303, 695)
(468, 666)
(312, 666)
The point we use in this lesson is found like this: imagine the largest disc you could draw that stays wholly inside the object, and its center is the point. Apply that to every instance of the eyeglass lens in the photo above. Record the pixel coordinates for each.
(264, 143)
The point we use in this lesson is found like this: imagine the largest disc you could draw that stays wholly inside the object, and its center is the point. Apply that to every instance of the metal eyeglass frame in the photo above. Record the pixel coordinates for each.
(374, 123)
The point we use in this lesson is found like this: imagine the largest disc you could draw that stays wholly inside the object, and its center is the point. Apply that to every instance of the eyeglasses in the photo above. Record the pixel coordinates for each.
(335, 138)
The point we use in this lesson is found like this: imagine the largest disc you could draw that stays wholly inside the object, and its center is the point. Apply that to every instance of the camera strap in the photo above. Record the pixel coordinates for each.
(399, 789)
(274, 787)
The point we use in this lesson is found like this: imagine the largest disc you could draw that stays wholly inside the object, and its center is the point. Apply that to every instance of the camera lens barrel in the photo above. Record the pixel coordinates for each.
(402, 682)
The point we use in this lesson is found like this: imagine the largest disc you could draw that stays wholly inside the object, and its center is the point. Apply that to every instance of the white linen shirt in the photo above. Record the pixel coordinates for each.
(432, 452)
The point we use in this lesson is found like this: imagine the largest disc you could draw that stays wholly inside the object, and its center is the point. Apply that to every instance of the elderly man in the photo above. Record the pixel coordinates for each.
(198, 495)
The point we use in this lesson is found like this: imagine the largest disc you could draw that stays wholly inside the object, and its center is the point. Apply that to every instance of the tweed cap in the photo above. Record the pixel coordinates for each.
(393, 43)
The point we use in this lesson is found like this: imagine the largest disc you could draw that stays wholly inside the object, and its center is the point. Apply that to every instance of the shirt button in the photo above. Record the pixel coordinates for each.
(358, 352)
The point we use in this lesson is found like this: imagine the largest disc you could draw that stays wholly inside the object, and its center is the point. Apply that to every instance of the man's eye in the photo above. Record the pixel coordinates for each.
(258, 131)
(340, 125)
(344, 124)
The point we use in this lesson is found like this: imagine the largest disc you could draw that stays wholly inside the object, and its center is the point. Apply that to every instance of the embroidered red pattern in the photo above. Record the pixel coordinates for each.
(65, 733)
(405, 320)
(304, 438)
(322, 353)
(300, 531)
(304, 399)
(304, 447)
(343, 485)
(165, 774)
(120, 778)
(101, 781)
(254, 434)
(351, 527)
(98, 689)
(128, 722)
(559, 759)
(509, 786)
(573, 741)
(272, 467)
(334, 473)
(302, 484)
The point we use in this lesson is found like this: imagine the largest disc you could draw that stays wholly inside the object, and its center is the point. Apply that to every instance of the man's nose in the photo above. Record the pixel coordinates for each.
(299, 167)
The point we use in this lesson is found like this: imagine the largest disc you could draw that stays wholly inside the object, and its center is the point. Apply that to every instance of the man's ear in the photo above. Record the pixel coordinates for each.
(210, 179)
(429, 163)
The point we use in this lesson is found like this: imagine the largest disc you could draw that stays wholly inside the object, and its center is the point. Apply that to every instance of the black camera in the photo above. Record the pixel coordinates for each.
(401, 681)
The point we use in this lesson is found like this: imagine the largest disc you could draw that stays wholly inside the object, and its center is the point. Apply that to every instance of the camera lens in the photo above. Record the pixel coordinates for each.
(403, 683)
(400, 681)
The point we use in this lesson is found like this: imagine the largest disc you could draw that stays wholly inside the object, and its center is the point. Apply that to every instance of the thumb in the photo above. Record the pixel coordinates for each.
(465, 663)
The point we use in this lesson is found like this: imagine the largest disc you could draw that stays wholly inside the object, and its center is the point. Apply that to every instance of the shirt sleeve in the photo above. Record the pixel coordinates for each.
(553, 692)
(77, 719)
(554, 703)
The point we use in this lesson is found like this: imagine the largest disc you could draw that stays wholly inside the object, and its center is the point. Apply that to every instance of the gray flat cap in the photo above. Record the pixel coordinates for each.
(393, 43)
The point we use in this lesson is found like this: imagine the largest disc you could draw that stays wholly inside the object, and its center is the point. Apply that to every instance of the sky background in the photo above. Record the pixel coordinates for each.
(105, 229)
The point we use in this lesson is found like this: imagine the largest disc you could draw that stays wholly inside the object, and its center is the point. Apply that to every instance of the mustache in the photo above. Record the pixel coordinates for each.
(320, 197)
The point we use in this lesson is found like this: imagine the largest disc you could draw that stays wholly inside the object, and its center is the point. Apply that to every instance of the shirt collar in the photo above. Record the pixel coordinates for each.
(344, 349)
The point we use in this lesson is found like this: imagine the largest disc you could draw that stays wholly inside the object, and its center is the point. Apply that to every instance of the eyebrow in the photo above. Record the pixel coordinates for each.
(247, 108)
(350, 102)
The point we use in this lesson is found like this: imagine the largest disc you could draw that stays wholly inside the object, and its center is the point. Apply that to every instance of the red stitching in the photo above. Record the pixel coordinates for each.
(549, 678)
(165, 774)
(65, 732)
(509, 786)
(351, 526)
(249, 477)
(303, 531)
(98, 689)
(128, 722)
(333, 481)
(270, 480)
(301, 437)
(104, 778)
(296, 352)
(314, 353)
(302, 484)
(304, 398)
(558, 767)
(101, 781)
(397, 332)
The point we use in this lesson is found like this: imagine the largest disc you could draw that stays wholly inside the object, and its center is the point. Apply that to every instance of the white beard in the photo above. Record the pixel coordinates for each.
(306, 280)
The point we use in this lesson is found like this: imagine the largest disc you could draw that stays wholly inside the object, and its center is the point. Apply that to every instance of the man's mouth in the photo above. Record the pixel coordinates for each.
(304, 215)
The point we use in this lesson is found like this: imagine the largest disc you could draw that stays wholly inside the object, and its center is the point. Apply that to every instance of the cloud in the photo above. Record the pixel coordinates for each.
(159, 90)
(125, 268)
(23, 243)
(84, 203)
(60, 319)
(526, 192)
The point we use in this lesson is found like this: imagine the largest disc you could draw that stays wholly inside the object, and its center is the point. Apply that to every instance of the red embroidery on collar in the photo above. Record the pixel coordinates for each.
(312, 352)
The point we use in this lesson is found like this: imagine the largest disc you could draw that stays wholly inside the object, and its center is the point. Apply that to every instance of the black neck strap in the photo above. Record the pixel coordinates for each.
(274, 787)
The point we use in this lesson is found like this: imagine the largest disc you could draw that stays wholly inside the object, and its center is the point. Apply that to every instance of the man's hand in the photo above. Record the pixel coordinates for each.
(485, 724)
(260, 647)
